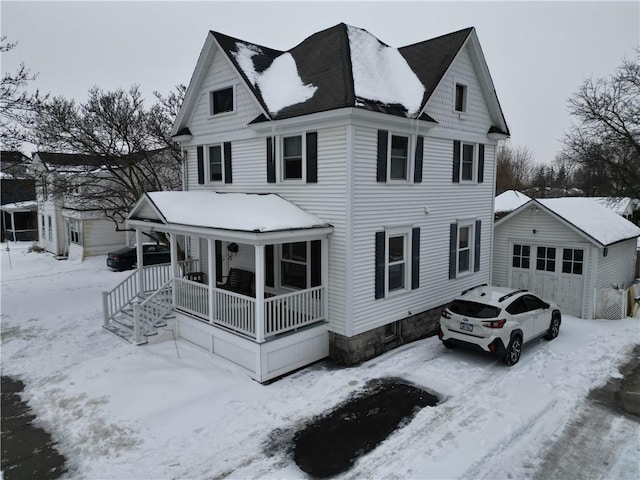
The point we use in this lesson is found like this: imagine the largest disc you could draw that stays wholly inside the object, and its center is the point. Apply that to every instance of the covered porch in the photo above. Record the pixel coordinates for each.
(247, 279)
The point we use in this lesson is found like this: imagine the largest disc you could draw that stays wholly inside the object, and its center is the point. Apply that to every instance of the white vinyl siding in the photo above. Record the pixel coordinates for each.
(476, 117)
(101, 237)
(378, 206)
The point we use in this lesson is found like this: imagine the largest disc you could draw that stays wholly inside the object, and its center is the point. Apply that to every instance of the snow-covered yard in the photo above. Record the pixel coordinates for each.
(170, 410)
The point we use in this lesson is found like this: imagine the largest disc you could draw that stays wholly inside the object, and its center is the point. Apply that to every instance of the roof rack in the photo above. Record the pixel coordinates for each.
(504, 297)
(471, 288)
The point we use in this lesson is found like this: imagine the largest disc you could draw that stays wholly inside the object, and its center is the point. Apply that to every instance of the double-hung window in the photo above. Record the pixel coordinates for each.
(221, 101)
(468, 161)
(397, 268)
(215, 162)
(75, 231)
(464, 248)
(293, 164)
(398, 157)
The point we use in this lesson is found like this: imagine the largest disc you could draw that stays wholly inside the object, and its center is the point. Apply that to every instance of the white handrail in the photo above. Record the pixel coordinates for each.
(293, 310)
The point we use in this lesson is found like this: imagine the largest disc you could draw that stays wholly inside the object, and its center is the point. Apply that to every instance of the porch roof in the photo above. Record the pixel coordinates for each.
(238, 212)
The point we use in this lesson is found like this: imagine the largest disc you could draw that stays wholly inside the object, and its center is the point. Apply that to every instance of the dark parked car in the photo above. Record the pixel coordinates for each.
(126, 257)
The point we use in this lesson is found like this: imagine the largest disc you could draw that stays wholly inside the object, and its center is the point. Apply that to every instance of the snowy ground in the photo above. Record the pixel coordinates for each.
(170, 410)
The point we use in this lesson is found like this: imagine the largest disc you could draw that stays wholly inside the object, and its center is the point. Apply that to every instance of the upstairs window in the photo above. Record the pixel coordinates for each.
(464, 248)
(468, 160)
(215, 163)
(221, 101)
(292, 159)
(461, 98)
(398, 157)
(397, 262)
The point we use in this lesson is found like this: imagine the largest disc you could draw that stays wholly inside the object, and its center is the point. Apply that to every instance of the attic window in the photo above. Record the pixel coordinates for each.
(221, 101)
(461, 98)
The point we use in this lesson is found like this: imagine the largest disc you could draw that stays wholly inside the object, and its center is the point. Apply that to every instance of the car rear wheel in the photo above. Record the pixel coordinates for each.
(513, 351)
(554, 327)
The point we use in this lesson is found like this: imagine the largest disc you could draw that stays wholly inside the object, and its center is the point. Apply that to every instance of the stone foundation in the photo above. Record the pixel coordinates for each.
(349, 351)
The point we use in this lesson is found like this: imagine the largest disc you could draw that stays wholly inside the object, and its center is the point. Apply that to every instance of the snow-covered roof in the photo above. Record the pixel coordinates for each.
(248, 212)
(595, 220)
(618, 205)
(381, 73)
(509, 201)
(26, 205)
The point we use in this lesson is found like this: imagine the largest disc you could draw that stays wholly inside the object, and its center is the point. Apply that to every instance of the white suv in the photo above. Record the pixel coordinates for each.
(498, 320)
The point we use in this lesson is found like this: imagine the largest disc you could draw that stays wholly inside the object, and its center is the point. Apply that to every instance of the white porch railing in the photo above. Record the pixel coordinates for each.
(293, 310)
(235, 311)
(154, 277)
(148, 314)
(192, 297)
(238, 312)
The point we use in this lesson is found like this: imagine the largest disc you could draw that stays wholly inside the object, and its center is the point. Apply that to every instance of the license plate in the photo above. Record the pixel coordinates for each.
(466, 326)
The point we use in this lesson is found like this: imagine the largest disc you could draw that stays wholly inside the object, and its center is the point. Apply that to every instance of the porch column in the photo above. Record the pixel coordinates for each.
(259, 276)
(139, 258)
(211, 268)
(13, 227)
(173, 249)
(324, 254)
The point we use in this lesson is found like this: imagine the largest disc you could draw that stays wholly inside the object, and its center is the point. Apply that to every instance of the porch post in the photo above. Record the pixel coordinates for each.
(211, 268)
(259, 276)
(139, 258)
(173, 249)
(324, 247)
(13, 227)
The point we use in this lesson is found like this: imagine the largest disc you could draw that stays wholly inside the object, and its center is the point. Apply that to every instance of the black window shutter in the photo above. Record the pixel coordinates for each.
(481, 163)
(269, 279)
(415, 258)
(417, 171)
(316, 263)
(379, 275)
(476, 250)
(383, 137)
(453, 250)
(312, 157)
(218, 261)
(200, 165)
(456, 161)
(271, 162)
(227, 163)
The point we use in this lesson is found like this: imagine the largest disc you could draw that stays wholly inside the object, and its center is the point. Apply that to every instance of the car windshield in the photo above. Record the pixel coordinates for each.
(473, 309)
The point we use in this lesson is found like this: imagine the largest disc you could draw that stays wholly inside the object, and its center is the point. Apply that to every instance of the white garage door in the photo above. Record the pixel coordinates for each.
(555, 273)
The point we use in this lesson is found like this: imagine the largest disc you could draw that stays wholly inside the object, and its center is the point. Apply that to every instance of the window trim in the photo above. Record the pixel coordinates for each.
(408, 171)
(405, 233)
(207, 163)
(233, 99)
(303, 158)
(465, 96)
(471, 224)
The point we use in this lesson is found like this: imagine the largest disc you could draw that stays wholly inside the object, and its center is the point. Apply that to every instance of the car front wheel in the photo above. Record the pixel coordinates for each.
(554, 327)
(513, 351)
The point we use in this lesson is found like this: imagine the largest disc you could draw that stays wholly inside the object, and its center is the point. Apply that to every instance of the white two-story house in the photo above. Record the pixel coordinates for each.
(350, 183)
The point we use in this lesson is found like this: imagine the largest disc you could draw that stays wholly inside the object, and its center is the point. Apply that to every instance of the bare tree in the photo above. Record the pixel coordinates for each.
(606, 141)
(514, 168)
(130, 147)
(17, 106)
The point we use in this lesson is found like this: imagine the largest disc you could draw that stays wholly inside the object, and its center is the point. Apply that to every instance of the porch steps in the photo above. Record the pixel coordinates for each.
(121, 324)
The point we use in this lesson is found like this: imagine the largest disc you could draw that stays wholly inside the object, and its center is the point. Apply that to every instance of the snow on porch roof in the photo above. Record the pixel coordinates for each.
(249, 212)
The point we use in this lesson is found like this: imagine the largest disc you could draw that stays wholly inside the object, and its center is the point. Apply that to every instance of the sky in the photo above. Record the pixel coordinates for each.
(538, 53)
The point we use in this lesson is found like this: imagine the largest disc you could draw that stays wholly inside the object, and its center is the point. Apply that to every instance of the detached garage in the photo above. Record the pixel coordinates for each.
(564, 249)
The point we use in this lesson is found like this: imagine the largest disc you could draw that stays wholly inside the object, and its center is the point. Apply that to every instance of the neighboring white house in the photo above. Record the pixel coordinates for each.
(390, 151)
(623, 206)
(564, 249)
(67, 227)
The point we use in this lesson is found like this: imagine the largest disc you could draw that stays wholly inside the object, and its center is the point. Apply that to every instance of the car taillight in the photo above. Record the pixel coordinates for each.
(445, 314)
(116, 258)
(494, 323)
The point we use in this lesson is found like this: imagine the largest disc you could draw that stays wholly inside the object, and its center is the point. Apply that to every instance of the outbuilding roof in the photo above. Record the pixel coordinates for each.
(510, 200)
(596, 222)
